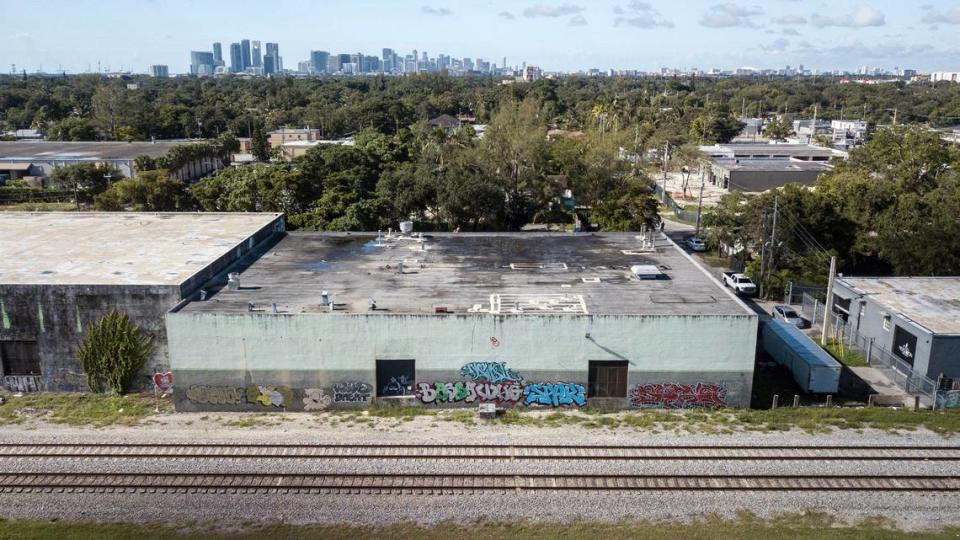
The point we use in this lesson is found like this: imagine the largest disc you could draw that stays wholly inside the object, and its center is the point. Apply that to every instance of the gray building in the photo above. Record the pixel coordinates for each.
(202, 63)
(236, 58)
(38, 159)
(327, 320)
(798, 152)
(256, 56)
(218, 54)
(754, 175)
(159, 70)
(320, 60)
(62, 272)
(914, 319)
(271, 61)
(245, 53)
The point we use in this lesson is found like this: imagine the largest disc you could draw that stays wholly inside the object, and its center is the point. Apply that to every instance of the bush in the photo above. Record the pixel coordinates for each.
(113, 352)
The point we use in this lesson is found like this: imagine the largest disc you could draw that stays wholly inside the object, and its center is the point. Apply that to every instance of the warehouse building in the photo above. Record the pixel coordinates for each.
(62, 272)
(755, 175)
(327, 320)
(38, 159)
(912, 323)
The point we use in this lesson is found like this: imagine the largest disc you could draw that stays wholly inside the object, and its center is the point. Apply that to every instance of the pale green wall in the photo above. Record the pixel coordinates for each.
(314, 349)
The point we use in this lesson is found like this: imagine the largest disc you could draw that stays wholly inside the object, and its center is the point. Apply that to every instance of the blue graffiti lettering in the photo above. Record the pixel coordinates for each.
(495, 372)
(555, 395)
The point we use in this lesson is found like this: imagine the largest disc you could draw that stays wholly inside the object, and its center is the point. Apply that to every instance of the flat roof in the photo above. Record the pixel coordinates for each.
(932, 302)
(105, 151)
(505, 273)
(758, 149)
(117, 248)
(772, 165)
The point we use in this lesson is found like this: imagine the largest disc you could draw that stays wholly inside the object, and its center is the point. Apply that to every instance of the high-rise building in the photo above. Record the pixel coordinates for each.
(217, 54)
(257, 58)
(245, 53)
(160, 70)
(236, 58)
(201, 63)
(387, 59)
(320, 61)
(273, 53)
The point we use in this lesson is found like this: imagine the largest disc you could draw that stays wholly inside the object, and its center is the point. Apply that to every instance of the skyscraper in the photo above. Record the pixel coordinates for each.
(236, 58)
(201, 63)
(245, 53)
(319, 61)
(388, 55)
(160, 70)
(217, 54)
(257, 59)
(273, 53)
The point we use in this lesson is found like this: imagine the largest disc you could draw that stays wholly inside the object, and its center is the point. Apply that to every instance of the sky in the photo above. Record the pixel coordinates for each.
(566, 35)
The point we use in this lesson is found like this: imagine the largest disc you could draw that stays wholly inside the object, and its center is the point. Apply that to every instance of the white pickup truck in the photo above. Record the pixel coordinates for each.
(740, 283)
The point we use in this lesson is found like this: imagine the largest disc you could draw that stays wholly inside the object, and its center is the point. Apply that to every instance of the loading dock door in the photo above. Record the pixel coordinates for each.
(395, 377)
(607, 379)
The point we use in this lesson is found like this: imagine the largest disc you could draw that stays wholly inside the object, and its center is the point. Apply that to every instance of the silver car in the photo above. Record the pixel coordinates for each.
(696, 244)
(788, 315)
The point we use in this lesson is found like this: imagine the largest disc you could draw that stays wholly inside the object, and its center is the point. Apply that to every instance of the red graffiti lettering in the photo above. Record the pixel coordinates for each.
(678, 396)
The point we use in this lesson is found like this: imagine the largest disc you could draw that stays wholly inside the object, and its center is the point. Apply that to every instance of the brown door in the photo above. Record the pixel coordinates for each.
(607, 379)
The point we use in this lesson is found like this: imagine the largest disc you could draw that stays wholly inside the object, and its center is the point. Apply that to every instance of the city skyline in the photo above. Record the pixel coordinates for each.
(558, 36)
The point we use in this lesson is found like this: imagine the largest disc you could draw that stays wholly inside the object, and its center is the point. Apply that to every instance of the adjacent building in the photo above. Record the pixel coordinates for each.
(755, 167)
(913, 323)
(61, 272)
(328, 320)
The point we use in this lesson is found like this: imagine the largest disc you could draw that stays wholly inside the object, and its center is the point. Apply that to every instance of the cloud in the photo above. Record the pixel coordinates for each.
(640, 15)
(778, 45)
(577, 20)
(789, 32)
(791, 20)
(439, 11)
(934, 16)
(506, 15)
(730, 15)
(861, 17)
(542, 10)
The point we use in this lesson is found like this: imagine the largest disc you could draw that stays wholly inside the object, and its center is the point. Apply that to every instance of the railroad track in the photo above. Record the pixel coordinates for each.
(443, 483)
(473, 452)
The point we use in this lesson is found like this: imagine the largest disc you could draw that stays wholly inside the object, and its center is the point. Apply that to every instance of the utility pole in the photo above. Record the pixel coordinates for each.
(76, 195)
(696, 233)
(828, 304)
(666, 152)
(773, 244)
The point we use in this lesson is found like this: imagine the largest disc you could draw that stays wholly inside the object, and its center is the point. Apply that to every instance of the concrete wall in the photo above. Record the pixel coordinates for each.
(237, 361)
(754, 181)
(945, 357)
(57, 318)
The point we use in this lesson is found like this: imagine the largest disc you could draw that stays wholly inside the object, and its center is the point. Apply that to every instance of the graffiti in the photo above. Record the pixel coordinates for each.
(315, 399)
(351, 392)
(495, 372)
(678, 396)
(494, 342)
(163, 381)
(397, 386)
(277, 396)
(216, 395)
(555, 395)
(948, 400)
(21, 383)
(468, 392)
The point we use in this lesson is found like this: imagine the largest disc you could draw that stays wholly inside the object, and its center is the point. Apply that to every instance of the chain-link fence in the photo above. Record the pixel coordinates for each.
(794, 293)
(897, 370)
(678, 211)
(812, 309)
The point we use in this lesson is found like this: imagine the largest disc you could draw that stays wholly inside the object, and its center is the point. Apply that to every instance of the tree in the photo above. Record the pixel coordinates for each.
(113, 352)
(149, 191)
(778, 129)
(633, 208)
(88, 179)
(260, 144)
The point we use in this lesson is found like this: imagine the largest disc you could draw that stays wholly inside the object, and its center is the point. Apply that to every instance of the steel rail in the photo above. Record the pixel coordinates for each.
(443, 483)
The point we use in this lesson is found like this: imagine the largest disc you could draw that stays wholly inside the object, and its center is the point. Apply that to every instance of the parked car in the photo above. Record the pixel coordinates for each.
(696, 244)
(788, 315)
(739, 283)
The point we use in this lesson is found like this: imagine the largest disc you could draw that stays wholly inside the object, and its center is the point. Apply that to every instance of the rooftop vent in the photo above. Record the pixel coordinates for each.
(534, 304)
(591, 280)
(646, 271)
(406, 227)
(233, 281)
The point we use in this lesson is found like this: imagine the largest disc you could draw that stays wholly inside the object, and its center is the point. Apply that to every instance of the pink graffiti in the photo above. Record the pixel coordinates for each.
(678, 396)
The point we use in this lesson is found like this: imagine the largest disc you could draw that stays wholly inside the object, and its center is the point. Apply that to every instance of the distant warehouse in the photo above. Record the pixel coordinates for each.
(752, 167)
(327, 320)
(61, 272)
(38, 159)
